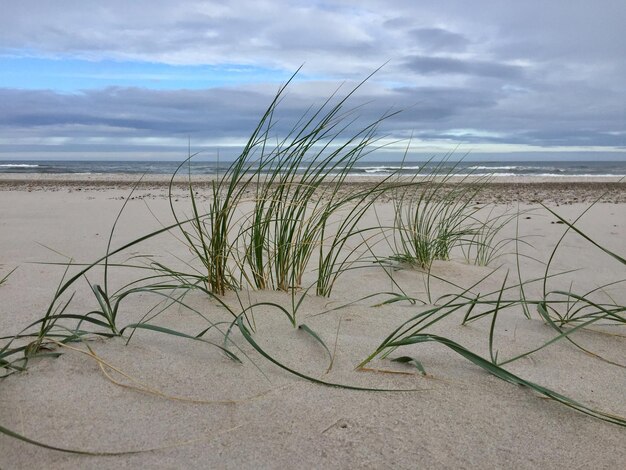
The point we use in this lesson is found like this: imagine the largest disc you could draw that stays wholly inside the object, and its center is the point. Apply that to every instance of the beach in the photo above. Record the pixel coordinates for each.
(526, 189)
(196, 408)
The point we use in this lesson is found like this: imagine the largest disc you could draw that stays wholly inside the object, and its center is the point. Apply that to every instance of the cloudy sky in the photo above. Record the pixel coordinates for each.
(118, 79)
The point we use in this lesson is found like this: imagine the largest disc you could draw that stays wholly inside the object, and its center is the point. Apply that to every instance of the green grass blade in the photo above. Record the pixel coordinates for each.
(507, 376)
(305, 328)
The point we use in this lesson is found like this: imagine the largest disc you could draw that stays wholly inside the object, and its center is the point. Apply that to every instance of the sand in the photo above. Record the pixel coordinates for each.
(460, 417)
(563, 190)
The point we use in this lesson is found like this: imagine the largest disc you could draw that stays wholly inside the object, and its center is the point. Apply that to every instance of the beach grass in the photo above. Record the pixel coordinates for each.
(483, 245)
(6, 276)
(297, 210)
(434, 216)
(295, 207)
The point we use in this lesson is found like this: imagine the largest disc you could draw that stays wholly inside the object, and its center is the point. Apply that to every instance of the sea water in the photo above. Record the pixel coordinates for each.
(556, 169)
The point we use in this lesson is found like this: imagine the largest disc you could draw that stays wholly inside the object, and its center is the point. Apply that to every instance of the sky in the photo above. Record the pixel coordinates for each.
(82, 79)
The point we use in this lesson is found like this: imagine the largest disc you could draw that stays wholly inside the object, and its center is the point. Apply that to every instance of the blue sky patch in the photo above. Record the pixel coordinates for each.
(69, 75)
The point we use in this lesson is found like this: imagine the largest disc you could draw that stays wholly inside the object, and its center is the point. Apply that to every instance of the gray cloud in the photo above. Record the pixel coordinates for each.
(252, 32)
(439, 39)
(430, 65)
(116, 111)
(534, 73)
(102, 118)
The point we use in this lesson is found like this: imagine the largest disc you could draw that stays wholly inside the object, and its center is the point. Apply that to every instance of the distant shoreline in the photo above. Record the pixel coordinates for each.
(562, 190)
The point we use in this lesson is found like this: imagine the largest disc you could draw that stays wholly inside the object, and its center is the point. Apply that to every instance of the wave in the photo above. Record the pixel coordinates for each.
(376, 169)
(541, 175)
(18, 165)
(514, 167)
(389, 167)
(579, 175)
(526, 169)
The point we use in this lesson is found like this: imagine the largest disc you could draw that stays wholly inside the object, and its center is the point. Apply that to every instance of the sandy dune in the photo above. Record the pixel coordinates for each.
(459, 416)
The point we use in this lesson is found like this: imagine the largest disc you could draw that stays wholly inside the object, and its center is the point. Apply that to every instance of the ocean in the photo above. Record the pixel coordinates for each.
(554, 169)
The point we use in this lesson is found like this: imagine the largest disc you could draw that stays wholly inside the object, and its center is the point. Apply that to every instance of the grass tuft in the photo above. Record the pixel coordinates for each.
(435, 215)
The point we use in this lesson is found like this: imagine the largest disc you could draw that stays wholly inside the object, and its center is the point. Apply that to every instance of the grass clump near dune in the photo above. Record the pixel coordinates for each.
(436, 215)
(278, 203)
(297, 201)
(483, 245)
(297, 196)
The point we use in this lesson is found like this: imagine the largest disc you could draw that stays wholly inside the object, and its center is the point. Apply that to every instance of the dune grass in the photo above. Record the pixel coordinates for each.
(483, 245)
(5, 278)
(269, 213)
(209, 231)
(266, 241)
(436, 215)
(555, 306)
(298, 195)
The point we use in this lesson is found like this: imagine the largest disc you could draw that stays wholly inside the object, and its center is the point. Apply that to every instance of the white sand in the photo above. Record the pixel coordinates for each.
(463, 417)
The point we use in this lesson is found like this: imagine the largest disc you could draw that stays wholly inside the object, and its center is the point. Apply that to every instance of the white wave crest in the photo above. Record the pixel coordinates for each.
(18, 165)
(375, 169)
(480, 167)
